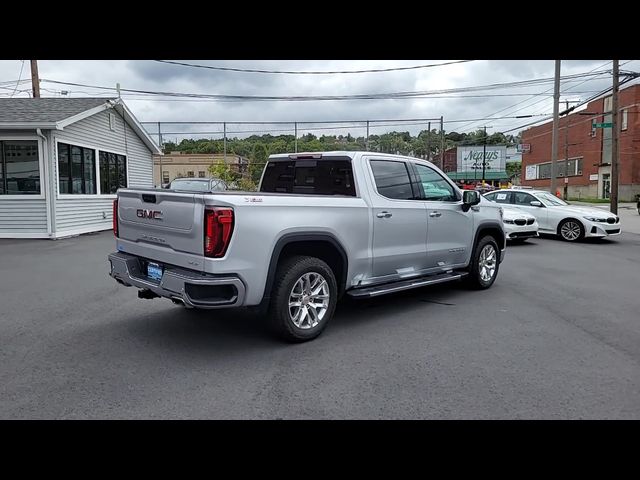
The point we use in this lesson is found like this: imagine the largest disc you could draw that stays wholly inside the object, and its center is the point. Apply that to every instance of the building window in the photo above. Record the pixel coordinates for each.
(76, 169)
(19, 167)
(165, 176)
(625, 118)
(201, 174)
(607, 104)
(594, 130)
(190, 174)
(542, 171)
(113, 172)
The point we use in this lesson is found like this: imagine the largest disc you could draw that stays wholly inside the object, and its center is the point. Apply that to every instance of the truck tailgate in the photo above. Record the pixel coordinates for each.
(162, 225)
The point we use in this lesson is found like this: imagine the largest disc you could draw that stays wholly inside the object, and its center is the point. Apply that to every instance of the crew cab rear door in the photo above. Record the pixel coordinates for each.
(399, 221)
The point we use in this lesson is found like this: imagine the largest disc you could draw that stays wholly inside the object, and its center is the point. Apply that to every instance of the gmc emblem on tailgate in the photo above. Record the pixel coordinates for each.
(152, 214)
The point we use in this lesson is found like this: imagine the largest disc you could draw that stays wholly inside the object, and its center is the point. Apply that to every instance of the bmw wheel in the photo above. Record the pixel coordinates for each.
(571, 230)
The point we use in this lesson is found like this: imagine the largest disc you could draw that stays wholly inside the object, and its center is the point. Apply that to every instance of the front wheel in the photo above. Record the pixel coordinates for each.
(484, 264)
(571, 230)
(303, 299)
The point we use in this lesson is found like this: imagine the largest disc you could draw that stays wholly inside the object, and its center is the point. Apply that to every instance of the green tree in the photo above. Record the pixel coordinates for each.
(224, 172)
(258, 160)
(513, 168)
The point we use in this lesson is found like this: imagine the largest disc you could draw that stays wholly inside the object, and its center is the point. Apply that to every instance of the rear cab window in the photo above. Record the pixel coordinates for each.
(322, 176)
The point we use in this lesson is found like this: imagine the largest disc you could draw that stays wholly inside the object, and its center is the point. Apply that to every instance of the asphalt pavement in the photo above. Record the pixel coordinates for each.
(556, 337)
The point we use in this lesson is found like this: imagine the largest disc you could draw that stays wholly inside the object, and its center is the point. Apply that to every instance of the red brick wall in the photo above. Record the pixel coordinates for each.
(581, 143)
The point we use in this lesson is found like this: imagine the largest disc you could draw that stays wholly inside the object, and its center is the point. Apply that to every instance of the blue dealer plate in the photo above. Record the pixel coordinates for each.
(154, 271)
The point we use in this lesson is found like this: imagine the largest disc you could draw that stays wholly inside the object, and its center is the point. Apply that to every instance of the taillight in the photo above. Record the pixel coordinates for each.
(218, 227)
(115, 217)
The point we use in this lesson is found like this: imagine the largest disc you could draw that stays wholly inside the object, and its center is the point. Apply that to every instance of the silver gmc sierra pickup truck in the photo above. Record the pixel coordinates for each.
(321, 225)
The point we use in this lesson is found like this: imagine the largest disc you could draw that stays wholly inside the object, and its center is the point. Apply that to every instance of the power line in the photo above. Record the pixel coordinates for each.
(369, 96)
(548, 90)
(603, 92)
(294, 72)
(19, 78)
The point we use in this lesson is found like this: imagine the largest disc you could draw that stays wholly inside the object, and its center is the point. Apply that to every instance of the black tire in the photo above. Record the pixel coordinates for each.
(564, 233)
(474, 279)
(287, 275)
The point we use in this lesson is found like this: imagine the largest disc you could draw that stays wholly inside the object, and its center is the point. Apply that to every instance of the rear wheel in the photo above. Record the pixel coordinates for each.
(483, 269)
(571, 230)
(303, 299)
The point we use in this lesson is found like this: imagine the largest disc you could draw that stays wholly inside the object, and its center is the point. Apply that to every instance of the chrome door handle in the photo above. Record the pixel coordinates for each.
(435, 214)
(383, 215)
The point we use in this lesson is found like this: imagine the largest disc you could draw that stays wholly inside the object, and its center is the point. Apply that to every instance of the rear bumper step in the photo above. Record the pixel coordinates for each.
(193, 289)
(405, 285)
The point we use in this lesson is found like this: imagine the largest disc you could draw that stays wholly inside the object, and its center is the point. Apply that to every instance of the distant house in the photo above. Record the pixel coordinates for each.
(180, 164)
(62, 161)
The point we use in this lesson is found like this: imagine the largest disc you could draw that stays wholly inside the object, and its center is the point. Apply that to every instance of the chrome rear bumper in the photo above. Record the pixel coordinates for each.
(194, 289)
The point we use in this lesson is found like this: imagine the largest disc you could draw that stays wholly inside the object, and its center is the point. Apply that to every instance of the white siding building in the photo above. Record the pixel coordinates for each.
(63, 159)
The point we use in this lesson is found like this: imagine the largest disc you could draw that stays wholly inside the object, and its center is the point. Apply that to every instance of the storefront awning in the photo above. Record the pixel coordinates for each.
(477, 175)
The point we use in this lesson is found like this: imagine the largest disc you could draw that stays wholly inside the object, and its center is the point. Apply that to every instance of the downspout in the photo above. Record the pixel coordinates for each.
(48, 198)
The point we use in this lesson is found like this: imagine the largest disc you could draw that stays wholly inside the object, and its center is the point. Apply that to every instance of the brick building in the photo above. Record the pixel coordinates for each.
(180, 164)
(588, 150)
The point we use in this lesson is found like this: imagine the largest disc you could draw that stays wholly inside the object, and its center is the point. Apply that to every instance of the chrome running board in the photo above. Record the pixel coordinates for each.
(405, 285)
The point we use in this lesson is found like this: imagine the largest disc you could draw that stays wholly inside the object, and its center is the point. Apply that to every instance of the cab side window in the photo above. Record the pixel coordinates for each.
(434, 186)
(521, 198)
(392, 179)
(499, 197)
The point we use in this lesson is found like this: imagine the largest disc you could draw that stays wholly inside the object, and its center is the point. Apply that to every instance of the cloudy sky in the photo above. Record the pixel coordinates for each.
(155, 76)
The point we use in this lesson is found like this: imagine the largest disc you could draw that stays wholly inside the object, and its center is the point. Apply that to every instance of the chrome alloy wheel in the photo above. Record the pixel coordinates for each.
(308, 300)
(487, 263)
(570, 230)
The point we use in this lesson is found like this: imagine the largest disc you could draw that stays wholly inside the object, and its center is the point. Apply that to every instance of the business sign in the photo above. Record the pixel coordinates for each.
(470, 158)
(523, 148)
(593, 176)
(531, 172)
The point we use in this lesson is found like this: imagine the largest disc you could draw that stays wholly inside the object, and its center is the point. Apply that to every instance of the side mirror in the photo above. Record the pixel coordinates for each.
(535, 203)
(470, 198)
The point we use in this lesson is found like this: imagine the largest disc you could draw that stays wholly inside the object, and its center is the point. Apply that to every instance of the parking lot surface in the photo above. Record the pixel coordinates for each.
(557, 336)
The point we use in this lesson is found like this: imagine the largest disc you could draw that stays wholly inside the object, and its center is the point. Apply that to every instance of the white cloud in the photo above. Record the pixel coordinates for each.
(150, 75)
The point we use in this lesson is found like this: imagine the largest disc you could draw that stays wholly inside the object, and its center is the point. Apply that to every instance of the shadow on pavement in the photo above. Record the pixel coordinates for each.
(245, 328)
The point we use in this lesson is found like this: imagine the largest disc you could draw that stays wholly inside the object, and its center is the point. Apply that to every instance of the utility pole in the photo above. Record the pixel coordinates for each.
(554, 138)
(224, 133)
(566, 149)
(429, 141)
(566, 155)
(35, 79)
(613, 195)
(484, 155)
(160, 145)
(442, 143)
(367, 142)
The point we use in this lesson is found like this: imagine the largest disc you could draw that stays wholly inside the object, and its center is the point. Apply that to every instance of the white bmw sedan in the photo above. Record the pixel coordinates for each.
(557, 217)
(518, 224)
